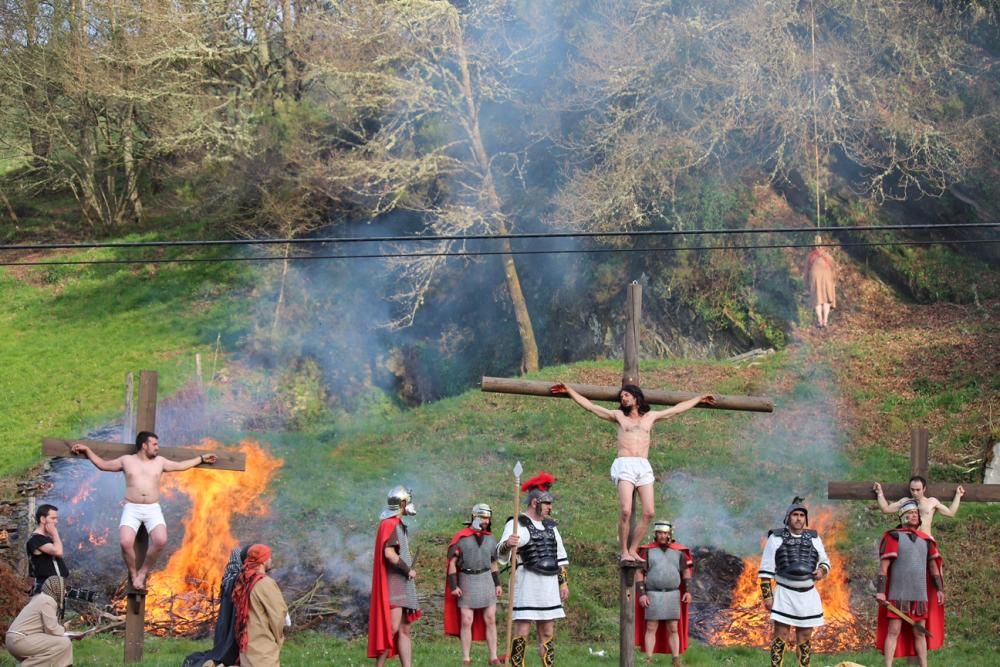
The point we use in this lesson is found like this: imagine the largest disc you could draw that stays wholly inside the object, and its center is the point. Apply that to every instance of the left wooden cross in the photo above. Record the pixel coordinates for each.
(135, 610)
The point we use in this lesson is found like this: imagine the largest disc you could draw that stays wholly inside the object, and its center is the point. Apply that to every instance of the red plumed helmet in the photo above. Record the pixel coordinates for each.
(542, 481)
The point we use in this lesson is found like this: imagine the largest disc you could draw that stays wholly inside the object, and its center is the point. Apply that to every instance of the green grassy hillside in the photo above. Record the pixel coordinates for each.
(845, 400)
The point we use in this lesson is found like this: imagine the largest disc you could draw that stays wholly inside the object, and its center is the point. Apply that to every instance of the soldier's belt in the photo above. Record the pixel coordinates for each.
(466, 570)
(793, 588)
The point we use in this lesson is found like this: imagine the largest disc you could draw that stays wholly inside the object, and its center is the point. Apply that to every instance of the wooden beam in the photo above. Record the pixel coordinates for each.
(982, 493)
(919, 458)
(111, 450)
(598, 393)
(633, 322)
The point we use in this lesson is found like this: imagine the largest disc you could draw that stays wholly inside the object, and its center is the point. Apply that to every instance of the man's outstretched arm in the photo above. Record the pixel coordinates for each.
(114, 465)
(560, 388)
(883, 504)
(951, 511)
(187, 464)
(707, 399)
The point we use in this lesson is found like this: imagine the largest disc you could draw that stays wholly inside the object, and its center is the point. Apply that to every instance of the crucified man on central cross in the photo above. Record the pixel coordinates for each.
(631, 470)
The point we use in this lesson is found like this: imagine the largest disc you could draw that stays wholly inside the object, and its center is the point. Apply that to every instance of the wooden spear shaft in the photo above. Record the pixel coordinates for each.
(512, 581)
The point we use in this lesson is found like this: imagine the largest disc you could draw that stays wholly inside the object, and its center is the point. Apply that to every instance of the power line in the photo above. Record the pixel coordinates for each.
(473, 253)
(484, 237)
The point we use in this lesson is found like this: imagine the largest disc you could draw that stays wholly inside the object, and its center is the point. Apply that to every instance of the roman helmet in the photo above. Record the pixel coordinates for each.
(664, 527)
(538, 487)
(397, 496)
(909, 505)
(480, 511)
(796, 506)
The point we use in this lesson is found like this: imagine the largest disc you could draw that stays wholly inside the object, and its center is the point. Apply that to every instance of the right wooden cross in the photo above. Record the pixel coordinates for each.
(981, 493)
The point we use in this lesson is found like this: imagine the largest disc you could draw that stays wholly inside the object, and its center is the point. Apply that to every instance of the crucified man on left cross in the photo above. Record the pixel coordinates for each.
(142, 497)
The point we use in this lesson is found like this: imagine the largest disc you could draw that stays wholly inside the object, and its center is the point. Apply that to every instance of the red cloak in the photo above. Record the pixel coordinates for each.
(662, 635)
(935, 612)
(380, 635)
(452, 616)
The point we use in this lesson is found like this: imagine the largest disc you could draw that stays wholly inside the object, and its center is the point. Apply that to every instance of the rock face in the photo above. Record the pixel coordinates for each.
(992, 475)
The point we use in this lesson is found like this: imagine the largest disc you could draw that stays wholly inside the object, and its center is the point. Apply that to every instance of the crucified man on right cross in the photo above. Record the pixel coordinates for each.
(631, 470)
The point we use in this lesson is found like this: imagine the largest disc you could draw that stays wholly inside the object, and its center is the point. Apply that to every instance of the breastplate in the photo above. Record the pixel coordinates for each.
(540, 554)
(796, 558)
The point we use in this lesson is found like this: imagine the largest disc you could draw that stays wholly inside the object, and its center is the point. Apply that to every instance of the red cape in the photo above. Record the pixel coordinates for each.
(380, 635)
(452, 617)
(662, 636)
(935, 612)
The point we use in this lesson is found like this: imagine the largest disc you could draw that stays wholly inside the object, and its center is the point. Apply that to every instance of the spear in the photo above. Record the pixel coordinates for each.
(513, 560)
(919, 629)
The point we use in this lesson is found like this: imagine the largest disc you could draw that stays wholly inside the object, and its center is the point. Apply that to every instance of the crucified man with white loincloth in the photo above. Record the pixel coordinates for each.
(142, 497)
(631, 470)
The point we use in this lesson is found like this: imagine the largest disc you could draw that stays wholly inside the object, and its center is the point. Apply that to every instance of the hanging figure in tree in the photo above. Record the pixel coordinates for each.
(821, 276)
(631, 470)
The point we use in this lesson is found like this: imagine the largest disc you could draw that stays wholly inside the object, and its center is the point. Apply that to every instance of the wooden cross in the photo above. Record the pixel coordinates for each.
(630, 375)
(919, 465)
(135, 609)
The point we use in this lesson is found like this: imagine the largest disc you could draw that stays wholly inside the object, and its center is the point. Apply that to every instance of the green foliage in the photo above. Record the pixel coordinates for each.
(69, 334)
(301, 394)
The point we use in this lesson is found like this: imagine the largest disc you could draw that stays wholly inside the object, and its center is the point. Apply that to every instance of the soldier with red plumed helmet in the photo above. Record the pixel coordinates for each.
(541, 576)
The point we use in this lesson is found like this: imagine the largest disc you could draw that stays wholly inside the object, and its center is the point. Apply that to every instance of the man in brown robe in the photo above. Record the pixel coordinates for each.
(261, 612)
(36, 638)
(821, 276)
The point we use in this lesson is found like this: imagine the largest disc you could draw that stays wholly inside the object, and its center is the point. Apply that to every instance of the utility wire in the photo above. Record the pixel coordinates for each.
(485, 237)
(473, 253)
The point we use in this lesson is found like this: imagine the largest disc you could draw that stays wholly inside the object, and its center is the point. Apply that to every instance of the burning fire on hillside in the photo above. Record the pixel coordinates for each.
(183, 593)
(747, 623)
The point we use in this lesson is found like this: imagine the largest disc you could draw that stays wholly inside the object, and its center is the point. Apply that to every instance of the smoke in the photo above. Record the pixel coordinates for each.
(794, 451)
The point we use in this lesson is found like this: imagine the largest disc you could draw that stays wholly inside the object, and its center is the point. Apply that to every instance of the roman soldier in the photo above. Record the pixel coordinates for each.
(910, 579)
(394, 603)
(661, 601)
(794, 560)
(541, 576)
(472, 585)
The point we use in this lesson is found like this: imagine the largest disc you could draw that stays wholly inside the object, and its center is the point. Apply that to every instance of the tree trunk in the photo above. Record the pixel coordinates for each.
(529, 348)
(128, 160)
(281, 296)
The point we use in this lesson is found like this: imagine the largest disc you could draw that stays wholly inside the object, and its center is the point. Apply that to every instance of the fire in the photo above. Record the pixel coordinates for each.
(749, 624)
(98, 540)
(86, 488)
(182, 596)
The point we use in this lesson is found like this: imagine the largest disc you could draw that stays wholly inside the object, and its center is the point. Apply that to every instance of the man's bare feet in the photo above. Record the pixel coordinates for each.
(139, 581)
(636, 556)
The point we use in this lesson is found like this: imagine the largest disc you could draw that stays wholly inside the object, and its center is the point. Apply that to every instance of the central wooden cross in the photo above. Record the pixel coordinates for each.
(135, 609)
(633, 316)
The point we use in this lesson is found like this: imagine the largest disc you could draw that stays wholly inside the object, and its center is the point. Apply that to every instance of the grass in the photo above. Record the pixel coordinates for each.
(69, 334)
(309, 648)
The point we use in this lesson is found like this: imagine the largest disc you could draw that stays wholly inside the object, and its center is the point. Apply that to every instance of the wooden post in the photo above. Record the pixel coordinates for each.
(135, 608)
(919, 455)
(633, 315)
(128, 423)
(630, 375)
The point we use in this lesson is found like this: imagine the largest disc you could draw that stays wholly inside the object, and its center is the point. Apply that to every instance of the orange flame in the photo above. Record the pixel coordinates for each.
(748, 622)
(98, 540)
(183, 595)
